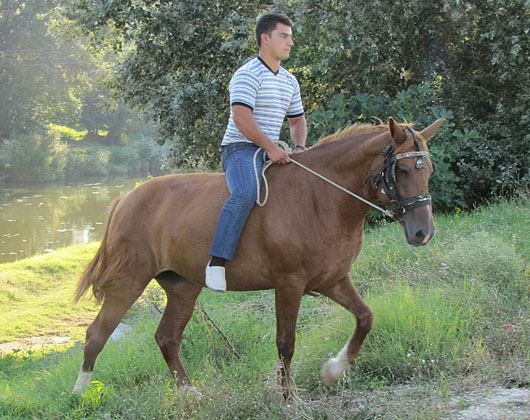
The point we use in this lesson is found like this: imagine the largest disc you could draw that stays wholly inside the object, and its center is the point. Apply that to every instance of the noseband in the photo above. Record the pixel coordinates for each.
(386, 176)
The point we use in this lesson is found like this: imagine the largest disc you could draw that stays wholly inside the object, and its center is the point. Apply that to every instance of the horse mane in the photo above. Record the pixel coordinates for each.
(355, 130)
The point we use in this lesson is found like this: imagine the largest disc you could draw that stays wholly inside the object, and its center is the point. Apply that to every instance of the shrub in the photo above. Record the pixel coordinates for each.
(418, 104)
(41, 156)
(87, 163)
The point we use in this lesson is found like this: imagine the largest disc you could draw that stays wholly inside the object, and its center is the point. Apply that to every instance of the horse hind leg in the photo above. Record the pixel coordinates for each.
(115, 305)
(181, 297)
(345, 294)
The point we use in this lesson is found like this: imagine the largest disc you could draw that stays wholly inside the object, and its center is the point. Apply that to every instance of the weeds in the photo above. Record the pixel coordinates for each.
(447, 316)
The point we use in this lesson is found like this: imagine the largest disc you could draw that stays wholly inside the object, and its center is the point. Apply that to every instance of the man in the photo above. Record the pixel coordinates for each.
(262, 94)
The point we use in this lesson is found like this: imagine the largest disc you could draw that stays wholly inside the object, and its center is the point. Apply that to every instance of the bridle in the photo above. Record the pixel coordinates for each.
(386, 177)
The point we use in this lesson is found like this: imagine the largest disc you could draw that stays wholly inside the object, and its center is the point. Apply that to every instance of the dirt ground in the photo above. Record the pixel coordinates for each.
(493, 404)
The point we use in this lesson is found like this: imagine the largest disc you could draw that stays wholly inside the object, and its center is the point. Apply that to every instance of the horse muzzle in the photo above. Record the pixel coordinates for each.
(418, 225)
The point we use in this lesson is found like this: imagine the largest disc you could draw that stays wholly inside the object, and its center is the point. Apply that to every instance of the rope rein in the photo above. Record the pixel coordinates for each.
(284, 146)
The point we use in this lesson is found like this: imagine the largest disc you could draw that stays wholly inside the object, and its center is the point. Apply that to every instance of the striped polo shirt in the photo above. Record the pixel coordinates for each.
(270, 95)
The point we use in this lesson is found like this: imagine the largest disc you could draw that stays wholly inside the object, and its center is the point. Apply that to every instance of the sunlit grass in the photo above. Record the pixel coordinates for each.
(71, 133)
(67, 132)
(36, 295)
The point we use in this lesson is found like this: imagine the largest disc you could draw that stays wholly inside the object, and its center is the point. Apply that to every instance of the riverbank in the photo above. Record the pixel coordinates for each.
(451, 324)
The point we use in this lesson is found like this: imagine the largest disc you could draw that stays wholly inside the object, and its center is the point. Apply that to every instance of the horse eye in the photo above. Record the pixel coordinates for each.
(434, 169)
(402, 171)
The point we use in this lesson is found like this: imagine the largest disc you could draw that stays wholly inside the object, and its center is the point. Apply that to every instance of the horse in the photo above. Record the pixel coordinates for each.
(304, 240)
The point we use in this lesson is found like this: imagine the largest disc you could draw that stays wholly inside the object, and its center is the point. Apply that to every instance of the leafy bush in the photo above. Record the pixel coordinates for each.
(419, 104)
(123, 160)
(497, 163)
(83, 163)
(41, 156)
(152, 155)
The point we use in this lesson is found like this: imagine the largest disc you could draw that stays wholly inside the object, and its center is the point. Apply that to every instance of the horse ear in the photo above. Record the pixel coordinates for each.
(431, 130)
(397, 133)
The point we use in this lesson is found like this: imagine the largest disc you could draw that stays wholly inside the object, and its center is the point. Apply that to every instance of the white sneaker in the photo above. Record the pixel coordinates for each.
(215, 278)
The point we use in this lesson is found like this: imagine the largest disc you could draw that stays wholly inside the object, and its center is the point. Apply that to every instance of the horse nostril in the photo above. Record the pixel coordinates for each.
(420, 234)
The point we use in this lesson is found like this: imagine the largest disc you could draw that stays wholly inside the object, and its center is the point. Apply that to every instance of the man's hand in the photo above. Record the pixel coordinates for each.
(278, 155)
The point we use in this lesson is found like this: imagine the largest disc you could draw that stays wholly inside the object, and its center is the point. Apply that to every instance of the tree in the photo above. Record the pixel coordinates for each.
(179, 56)
(178, 60)
(32, 84)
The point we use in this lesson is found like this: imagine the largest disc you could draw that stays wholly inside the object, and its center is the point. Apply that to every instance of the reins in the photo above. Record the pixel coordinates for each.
(388, 188)
(286, 147)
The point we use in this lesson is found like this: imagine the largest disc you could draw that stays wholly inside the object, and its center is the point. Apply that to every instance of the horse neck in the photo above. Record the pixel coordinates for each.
(348, 162)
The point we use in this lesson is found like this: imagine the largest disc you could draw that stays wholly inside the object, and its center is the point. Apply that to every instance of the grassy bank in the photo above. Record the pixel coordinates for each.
(448, 316)
(36, 295)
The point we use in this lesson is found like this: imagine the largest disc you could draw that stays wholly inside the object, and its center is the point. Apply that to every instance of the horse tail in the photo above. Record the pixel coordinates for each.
(97, 271)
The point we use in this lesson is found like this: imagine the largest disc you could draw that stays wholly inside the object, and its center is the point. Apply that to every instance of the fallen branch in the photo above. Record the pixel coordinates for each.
(227, 341)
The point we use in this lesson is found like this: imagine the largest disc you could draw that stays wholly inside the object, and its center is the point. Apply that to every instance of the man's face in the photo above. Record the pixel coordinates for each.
(280, 41)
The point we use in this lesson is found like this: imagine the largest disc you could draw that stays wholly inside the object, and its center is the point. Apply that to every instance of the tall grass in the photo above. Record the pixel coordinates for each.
(454, 311)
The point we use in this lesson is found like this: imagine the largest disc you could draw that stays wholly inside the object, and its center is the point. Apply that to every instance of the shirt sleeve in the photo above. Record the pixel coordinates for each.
(295, 108)
(244, 88)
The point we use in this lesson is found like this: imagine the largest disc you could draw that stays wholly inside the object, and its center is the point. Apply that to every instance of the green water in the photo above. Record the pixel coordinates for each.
(41, 219)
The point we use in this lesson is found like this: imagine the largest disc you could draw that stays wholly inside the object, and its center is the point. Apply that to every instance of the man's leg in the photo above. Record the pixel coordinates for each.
(241, 181)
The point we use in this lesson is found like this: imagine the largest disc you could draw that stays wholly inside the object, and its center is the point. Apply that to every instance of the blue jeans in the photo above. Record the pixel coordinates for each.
(237, 160)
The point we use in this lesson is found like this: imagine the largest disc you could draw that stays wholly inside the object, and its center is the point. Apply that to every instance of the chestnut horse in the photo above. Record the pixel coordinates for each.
(304, 239)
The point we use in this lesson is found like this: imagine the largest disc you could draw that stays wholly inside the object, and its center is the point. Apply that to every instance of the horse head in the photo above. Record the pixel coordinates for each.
(403, 179)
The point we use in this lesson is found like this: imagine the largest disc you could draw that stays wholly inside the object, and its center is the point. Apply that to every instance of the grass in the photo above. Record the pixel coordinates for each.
(36, 295)
(448, 316)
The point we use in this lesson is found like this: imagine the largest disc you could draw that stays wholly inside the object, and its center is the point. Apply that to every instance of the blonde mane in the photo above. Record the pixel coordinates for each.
(355, 130)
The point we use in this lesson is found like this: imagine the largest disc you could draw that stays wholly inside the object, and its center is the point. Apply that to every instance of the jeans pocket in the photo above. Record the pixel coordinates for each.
(233, 148)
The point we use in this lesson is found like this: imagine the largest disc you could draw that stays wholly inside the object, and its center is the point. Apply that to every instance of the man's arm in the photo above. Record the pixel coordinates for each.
(298, 130)
(249, 127)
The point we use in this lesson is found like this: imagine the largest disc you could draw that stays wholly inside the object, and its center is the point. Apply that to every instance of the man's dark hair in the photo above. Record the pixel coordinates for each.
(267, 23)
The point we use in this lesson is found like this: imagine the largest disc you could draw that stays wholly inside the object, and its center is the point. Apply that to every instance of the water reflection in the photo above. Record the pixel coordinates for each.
(36, 220)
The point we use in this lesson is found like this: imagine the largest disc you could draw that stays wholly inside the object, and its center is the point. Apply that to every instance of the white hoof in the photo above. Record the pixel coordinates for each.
(83, 379)
(190, 390)
(334, 369)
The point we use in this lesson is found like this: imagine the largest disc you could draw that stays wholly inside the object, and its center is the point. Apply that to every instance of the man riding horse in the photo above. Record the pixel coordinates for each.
(262, 93)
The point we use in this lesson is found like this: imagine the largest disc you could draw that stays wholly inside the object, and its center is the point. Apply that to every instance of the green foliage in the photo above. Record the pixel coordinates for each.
(87, 162)
(140, 156)
(38, 156)
(66, 134)
(353, 62)
(30, 91)
(47, 157)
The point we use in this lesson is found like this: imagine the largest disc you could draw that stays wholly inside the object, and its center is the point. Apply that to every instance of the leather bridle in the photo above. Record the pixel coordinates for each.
(386, 177)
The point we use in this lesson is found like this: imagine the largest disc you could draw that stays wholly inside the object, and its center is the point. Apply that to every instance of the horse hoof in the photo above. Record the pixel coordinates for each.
(190, 390)
(83, 380)
(332, 371)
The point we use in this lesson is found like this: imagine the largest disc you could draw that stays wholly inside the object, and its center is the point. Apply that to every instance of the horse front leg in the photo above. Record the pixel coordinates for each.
(287, 305)
(345, 294)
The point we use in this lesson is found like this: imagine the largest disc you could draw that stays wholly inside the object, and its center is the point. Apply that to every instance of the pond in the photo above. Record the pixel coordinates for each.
(41, 219)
